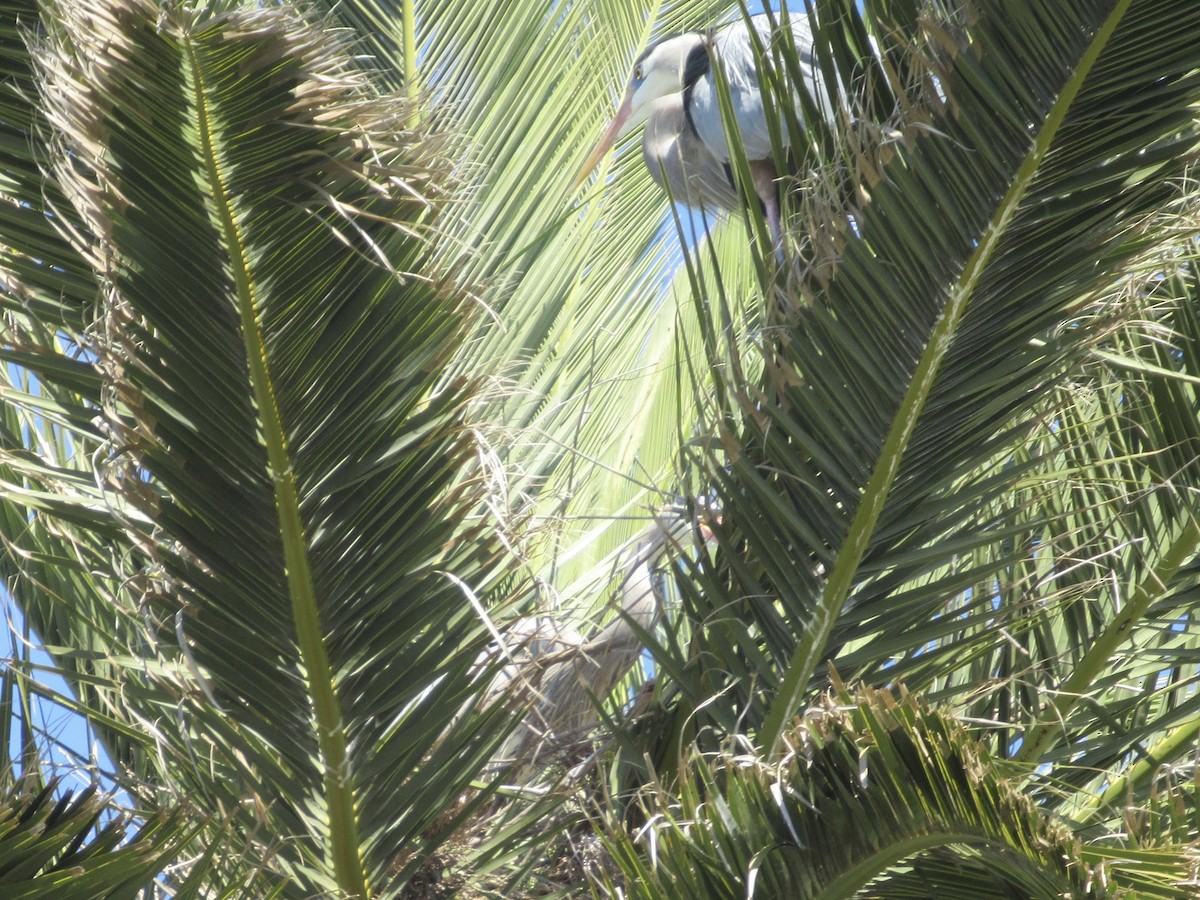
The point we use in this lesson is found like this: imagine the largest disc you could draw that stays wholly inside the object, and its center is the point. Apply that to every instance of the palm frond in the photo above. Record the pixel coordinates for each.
(891, 401)
(39, 270)
(280, 466)
(579, 333)
(874, 798)
(55, 843)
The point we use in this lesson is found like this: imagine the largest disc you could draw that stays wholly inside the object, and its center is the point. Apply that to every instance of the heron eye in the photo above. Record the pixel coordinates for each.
(638, 73)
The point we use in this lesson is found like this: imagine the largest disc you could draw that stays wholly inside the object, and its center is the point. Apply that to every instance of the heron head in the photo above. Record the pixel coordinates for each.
(659, 72)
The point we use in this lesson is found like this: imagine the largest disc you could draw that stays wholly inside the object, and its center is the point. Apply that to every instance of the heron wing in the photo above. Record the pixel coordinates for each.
(733, 47)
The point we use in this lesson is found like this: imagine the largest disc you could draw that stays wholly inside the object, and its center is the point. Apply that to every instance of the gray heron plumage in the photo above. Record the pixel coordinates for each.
(561, 675)
(673, 91)
(681, 164)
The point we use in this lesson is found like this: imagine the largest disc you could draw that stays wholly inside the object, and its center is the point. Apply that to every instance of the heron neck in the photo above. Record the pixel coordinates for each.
(664, 122)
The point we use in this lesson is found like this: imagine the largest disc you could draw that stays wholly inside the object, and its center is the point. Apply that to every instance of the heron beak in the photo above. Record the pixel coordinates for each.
(617, 129)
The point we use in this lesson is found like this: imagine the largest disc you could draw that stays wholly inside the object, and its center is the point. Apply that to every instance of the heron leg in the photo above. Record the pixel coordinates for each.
(762, 171)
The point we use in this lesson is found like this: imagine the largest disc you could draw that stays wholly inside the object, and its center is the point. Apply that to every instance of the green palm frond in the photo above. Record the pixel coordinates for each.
(310, 387)
(287, 480)
(874, 798)
(859, 480)
(39, 270)
(56, 843)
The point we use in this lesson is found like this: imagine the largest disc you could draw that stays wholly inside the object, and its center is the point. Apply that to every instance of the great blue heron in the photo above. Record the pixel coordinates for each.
(560, 676)
(673, 91)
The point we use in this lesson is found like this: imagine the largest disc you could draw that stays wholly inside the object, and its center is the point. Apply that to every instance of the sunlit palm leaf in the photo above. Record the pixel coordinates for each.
(277, 402)
(580, 327)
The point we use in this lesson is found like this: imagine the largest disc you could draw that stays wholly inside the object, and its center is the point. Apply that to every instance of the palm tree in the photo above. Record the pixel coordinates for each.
(320, 383)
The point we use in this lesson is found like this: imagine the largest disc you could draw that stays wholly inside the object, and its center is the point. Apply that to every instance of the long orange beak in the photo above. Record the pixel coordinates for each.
(615, 129)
